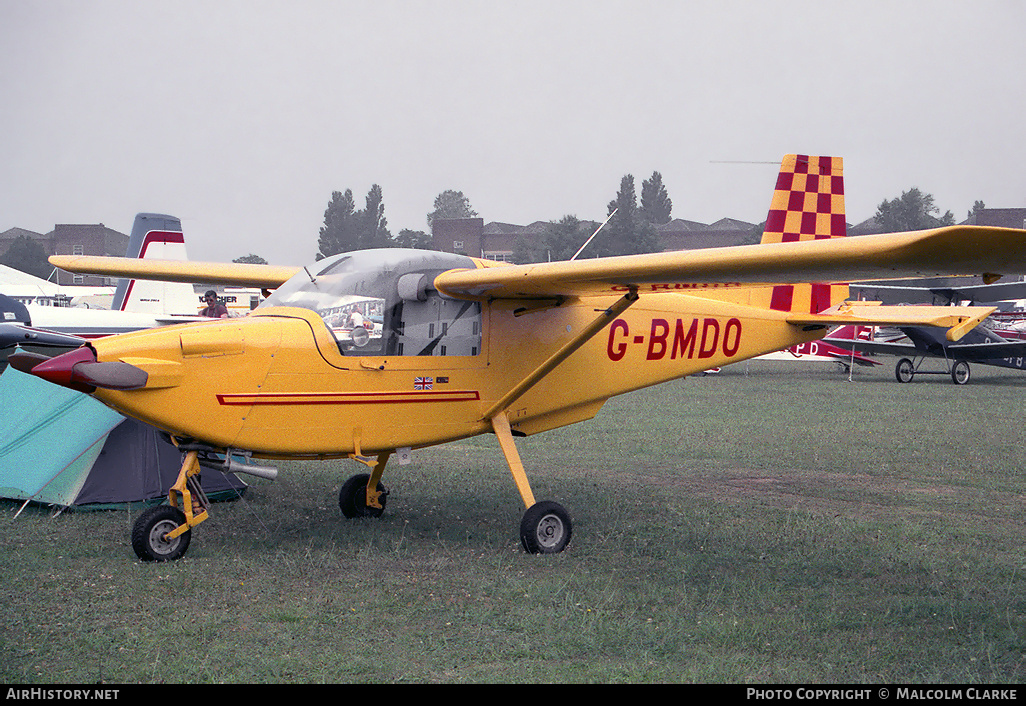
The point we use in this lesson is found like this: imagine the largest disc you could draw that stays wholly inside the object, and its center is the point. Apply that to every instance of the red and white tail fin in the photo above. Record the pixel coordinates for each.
(157, 237)
(808, 204)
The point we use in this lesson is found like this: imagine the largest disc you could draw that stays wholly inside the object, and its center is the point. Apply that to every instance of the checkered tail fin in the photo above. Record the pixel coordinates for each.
(808, 204)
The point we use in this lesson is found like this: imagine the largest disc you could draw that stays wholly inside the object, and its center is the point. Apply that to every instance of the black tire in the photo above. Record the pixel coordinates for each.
(545, 528)
(904, 371)
(352, 498)
(149, 531)
(960, 373)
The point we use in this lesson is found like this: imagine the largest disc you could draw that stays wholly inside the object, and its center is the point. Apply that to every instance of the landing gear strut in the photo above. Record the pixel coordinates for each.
(546, 527)
(163, 533)
(363, 495)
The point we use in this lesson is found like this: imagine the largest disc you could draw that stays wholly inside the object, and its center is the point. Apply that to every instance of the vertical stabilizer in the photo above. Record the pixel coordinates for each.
(157, 237)
(808, 204)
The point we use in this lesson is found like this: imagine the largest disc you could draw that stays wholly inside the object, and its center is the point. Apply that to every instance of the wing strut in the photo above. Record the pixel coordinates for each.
(600, 322)
(500, 423)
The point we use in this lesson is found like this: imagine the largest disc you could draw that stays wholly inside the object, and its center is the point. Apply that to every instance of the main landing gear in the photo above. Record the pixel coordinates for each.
(544, 529)
(163, 533)
(906, 369)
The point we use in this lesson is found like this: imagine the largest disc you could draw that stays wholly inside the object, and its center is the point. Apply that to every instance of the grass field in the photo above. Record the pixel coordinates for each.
(782, 524)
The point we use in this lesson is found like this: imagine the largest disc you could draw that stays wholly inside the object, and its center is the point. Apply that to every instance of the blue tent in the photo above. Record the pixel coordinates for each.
(61, 447)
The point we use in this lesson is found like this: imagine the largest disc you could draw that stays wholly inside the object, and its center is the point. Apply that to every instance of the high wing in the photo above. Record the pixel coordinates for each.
(233, 274)
(949, 251)
(940, 252)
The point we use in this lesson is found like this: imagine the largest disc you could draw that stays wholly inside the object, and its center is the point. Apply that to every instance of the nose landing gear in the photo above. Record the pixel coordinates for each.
(163, 533)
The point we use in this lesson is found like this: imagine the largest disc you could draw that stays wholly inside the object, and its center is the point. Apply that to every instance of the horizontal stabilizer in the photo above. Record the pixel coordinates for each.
(959, 320)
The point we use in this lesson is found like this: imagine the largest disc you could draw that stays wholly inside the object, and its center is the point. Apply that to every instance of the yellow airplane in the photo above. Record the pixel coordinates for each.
(373, 353)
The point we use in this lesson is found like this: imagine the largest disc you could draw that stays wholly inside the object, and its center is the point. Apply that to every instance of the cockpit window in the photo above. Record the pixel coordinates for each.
(381, 302)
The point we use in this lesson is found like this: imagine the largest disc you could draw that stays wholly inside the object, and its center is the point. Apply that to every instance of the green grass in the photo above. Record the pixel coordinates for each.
(786, 525)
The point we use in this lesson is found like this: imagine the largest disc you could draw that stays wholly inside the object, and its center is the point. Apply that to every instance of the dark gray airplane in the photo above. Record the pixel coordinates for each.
(981, 345)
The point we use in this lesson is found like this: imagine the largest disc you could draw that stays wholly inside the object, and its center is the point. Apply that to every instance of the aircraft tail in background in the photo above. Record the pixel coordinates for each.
(156, 237)
(808, 204)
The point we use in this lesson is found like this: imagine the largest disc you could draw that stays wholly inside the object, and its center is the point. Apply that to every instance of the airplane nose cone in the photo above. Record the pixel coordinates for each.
(79, 370)
(60, 370)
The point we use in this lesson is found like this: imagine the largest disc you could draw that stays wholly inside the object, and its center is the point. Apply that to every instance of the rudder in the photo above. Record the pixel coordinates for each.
(156, 236)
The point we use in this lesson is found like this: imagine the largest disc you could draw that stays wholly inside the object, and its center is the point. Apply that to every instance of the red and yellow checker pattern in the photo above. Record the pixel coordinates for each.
(808, 204)
(808, 201)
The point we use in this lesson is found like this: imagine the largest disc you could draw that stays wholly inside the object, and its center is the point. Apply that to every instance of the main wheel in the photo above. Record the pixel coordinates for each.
(352, 498)
(904, 371)
(960, 372)
(149, 534)
(545, 528)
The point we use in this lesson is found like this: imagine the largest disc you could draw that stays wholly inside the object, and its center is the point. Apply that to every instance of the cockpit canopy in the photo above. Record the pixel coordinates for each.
(383, 302)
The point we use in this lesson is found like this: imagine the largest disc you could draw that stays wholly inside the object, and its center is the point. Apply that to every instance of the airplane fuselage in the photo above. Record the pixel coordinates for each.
(278, 384)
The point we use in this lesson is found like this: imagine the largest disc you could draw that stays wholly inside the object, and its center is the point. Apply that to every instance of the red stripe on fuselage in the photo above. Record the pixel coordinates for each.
(346, 398)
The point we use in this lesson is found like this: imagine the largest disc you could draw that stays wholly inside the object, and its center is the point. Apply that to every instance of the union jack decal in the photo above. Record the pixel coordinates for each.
(423, 383)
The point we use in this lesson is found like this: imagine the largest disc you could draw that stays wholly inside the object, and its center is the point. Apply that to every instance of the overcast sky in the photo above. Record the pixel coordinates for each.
(241, 117)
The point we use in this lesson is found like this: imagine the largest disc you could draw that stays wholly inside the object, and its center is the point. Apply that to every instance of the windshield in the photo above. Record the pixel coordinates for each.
(382, 302)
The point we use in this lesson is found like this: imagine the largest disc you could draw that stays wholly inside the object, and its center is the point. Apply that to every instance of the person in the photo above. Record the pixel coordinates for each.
(215, 309)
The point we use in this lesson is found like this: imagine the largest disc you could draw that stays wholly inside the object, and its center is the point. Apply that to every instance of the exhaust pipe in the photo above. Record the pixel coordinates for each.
(231, 466)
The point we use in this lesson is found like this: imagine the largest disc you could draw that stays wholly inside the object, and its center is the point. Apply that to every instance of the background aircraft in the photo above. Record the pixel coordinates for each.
(136, 304)
(987, 343)
(469, 347)
(823, 351)
(16, 328)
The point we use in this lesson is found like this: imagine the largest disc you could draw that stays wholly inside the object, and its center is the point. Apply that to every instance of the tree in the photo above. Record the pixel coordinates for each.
(655, 202)
(251, 259)
(565, 237)
(560, 241)
(338, 234)
(977, 207)
(413, 239)
(28, 256)
(346, 229)
(372, 227)
(912, 211)
(627, 233)
(451, 204)
(528, 250)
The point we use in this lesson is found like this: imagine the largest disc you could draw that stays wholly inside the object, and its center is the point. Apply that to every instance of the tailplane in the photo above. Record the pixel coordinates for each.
(156, 237)
(808, 204)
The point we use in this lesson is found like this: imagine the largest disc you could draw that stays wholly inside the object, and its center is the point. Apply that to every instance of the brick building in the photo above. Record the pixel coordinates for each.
(73, 239)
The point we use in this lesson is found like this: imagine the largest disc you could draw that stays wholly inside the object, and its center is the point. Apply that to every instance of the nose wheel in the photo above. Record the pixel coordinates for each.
(152, 534)
(163, 533)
